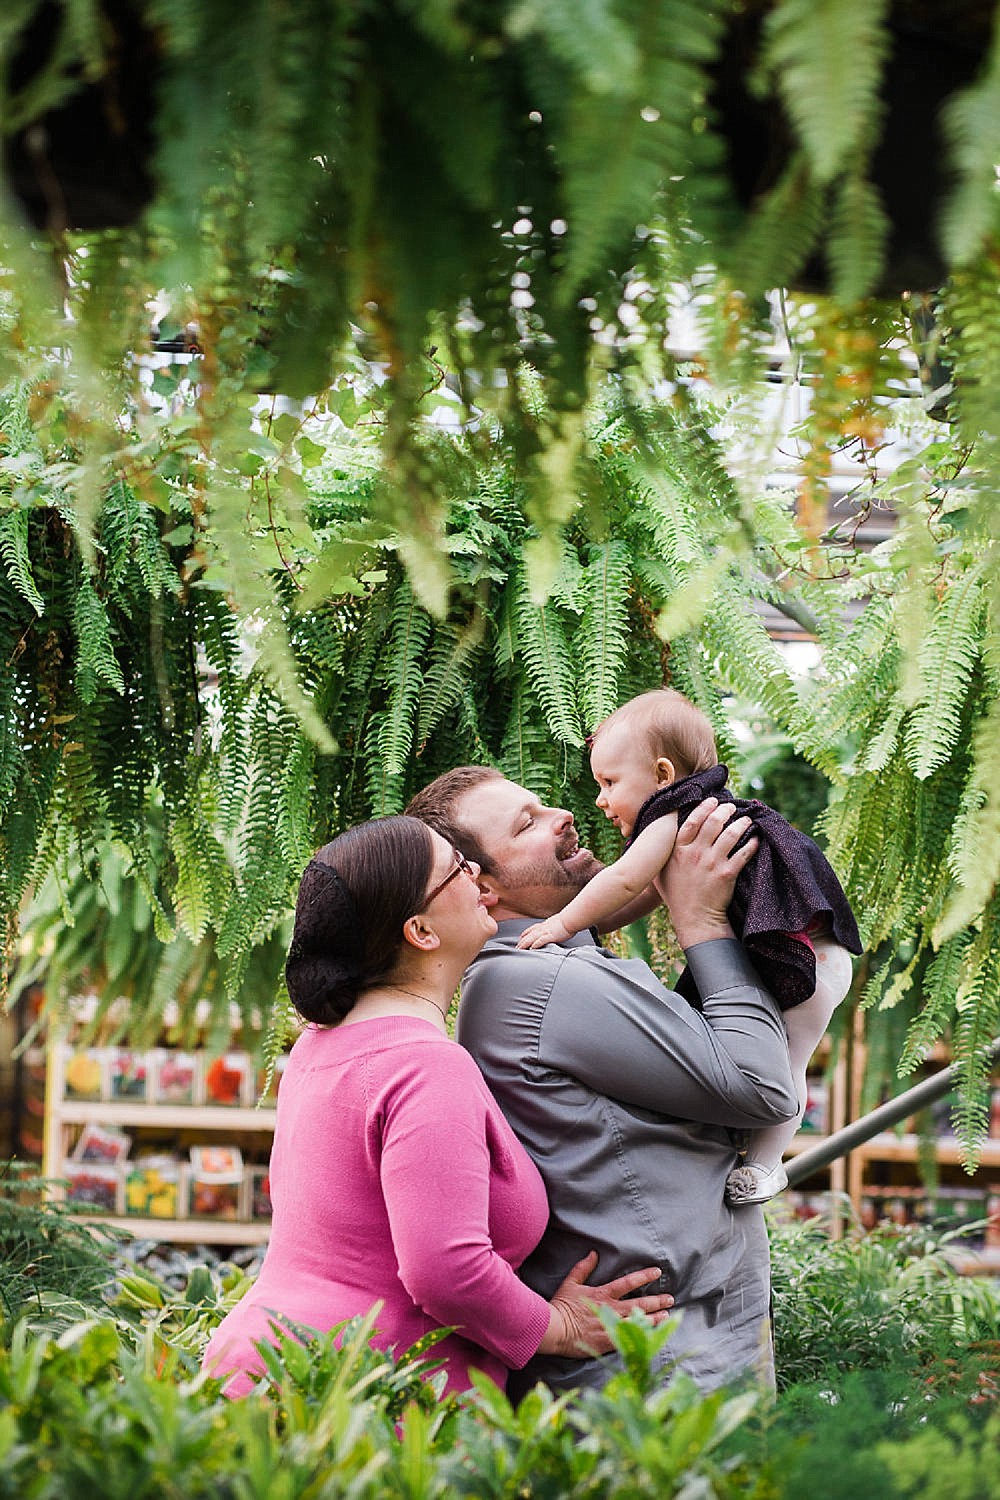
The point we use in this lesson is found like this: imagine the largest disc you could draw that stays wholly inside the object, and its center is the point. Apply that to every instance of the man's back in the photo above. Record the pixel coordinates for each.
(631, 1104)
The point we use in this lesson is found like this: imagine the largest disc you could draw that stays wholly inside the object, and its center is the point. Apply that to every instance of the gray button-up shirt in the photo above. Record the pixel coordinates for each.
(632, 1103)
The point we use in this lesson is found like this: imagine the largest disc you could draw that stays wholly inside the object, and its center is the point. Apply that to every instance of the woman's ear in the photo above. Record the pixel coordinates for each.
(666, 774)
(420, 934)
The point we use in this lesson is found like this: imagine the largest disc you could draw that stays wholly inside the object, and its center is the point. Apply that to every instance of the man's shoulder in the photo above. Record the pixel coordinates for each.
(502, 949)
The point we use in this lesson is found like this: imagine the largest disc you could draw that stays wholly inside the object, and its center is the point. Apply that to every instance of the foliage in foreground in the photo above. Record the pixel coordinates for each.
(95, 1410)
(54, 1270)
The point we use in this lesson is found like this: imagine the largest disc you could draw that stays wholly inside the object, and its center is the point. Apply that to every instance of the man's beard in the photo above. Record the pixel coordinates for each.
(551, 872)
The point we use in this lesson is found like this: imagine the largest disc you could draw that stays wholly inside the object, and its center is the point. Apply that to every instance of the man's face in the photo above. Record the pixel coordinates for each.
(538, 862)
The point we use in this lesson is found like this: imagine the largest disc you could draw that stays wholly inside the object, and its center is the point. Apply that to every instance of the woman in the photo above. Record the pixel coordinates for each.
(394, 1176)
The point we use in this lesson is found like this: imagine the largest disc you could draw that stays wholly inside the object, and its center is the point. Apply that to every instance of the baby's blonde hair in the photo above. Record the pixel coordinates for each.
(671, 725)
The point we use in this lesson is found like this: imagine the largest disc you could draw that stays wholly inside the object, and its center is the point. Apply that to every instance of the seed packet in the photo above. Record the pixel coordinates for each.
(127, 1073)
(85, 1076)
(259, 1186)
(102, 1143)
(152, 1186)
(228, 1080)
(174, 1076)
(93, 1185)
(215, 1189)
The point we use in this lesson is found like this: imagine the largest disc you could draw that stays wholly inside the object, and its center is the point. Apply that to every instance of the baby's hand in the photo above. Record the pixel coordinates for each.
(552, 931)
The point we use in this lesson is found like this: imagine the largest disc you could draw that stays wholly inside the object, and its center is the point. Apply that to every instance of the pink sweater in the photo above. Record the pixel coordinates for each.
(394, 1178)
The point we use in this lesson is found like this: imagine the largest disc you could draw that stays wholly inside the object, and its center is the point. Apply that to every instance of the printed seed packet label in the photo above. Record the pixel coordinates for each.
(152, 1187)
(93, 1185)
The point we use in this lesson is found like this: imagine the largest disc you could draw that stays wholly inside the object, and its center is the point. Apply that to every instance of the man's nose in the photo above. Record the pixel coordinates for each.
(563, 818)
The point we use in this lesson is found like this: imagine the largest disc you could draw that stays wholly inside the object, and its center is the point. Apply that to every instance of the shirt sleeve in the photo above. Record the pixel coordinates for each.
(610, 1024)
(435, 1174)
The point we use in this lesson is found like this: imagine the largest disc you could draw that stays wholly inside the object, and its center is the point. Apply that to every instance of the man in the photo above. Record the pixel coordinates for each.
(631, 1102)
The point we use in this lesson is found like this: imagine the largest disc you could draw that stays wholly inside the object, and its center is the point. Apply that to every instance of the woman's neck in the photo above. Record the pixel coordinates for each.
(409, 994)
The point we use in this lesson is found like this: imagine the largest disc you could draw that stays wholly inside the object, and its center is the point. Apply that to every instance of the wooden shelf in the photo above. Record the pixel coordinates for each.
(908, 1148)
(186, 1231)
(172, 1116)
(975, 1262)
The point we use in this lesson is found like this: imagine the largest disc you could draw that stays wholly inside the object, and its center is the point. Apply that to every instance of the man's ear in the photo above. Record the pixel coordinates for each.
(420, 934)
(666, 774)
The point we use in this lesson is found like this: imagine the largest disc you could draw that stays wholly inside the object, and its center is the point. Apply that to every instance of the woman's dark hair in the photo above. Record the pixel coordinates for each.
(354, 898)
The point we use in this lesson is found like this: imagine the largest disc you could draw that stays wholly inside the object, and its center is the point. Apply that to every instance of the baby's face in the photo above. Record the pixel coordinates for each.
(625, 771)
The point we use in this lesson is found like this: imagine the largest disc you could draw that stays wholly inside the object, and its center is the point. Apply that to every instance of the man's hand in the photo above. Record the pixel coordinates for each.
(700, 876)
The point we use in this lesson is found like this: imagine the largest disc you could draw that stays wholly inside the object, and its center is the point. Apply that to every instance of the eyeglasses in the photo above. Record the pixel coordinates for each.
(461, 865)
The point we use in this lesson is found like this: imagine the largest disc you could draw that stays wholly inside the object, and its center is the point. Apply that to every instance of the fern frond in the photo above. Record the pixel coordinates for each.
(15, 556)
(546, 651)
(447, 672)
(828, 57)
(971, 121)
(974, 854)
(95, 655)
(601, 643)
(650, 113)
(941, 982)
(781, 232)
(977, 1027)
(402, 674)
(945, 663)
(859, 231)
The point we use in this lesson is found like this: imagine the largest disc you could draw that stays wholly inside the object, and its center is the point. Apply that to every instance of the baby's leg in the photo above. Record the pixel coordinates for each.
(762, 1175)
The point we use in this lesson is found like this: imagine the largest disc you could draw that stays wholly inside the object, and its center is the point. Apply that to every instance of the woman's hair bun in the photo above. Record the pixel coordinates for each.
(354, 898)
(322, 986)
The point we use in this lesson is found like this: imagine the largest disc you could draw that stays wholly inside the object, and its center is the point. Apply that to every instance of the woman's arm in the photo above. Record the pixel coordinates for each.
(614, 888)
(435, 1174)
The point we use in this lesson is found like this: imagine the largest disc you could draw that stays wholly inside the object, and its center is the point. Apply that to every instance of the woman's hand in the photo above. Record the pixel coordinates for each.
(574, 1327)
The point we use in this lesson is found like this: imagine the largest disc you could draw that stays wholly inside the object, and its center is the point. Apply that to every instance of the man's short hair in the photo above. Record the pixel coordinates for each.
(436, 806)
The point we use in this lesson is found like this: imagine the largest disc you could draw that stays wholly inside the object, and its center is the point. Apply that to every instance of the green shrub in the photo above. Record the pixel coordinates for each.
(53, 1267)
(885, 1300)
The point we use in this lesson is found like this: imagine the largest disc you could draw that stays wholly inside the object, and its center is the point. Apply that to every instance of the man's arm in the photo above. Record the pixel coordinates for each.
(613, 1026)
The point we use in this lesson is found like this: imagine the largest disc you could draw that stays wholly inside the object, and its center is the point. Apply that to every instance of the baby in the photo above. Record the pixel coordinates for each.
(654, 760)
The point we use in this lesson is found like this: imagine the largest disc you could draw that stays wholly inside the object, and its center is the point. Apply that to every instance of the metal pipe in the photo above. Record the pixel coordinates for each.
(844, 1140)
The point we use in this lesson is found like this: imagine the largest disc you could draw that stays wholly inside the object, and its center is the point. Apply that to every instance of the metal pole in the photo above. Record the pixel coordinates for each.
(845, 1140)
